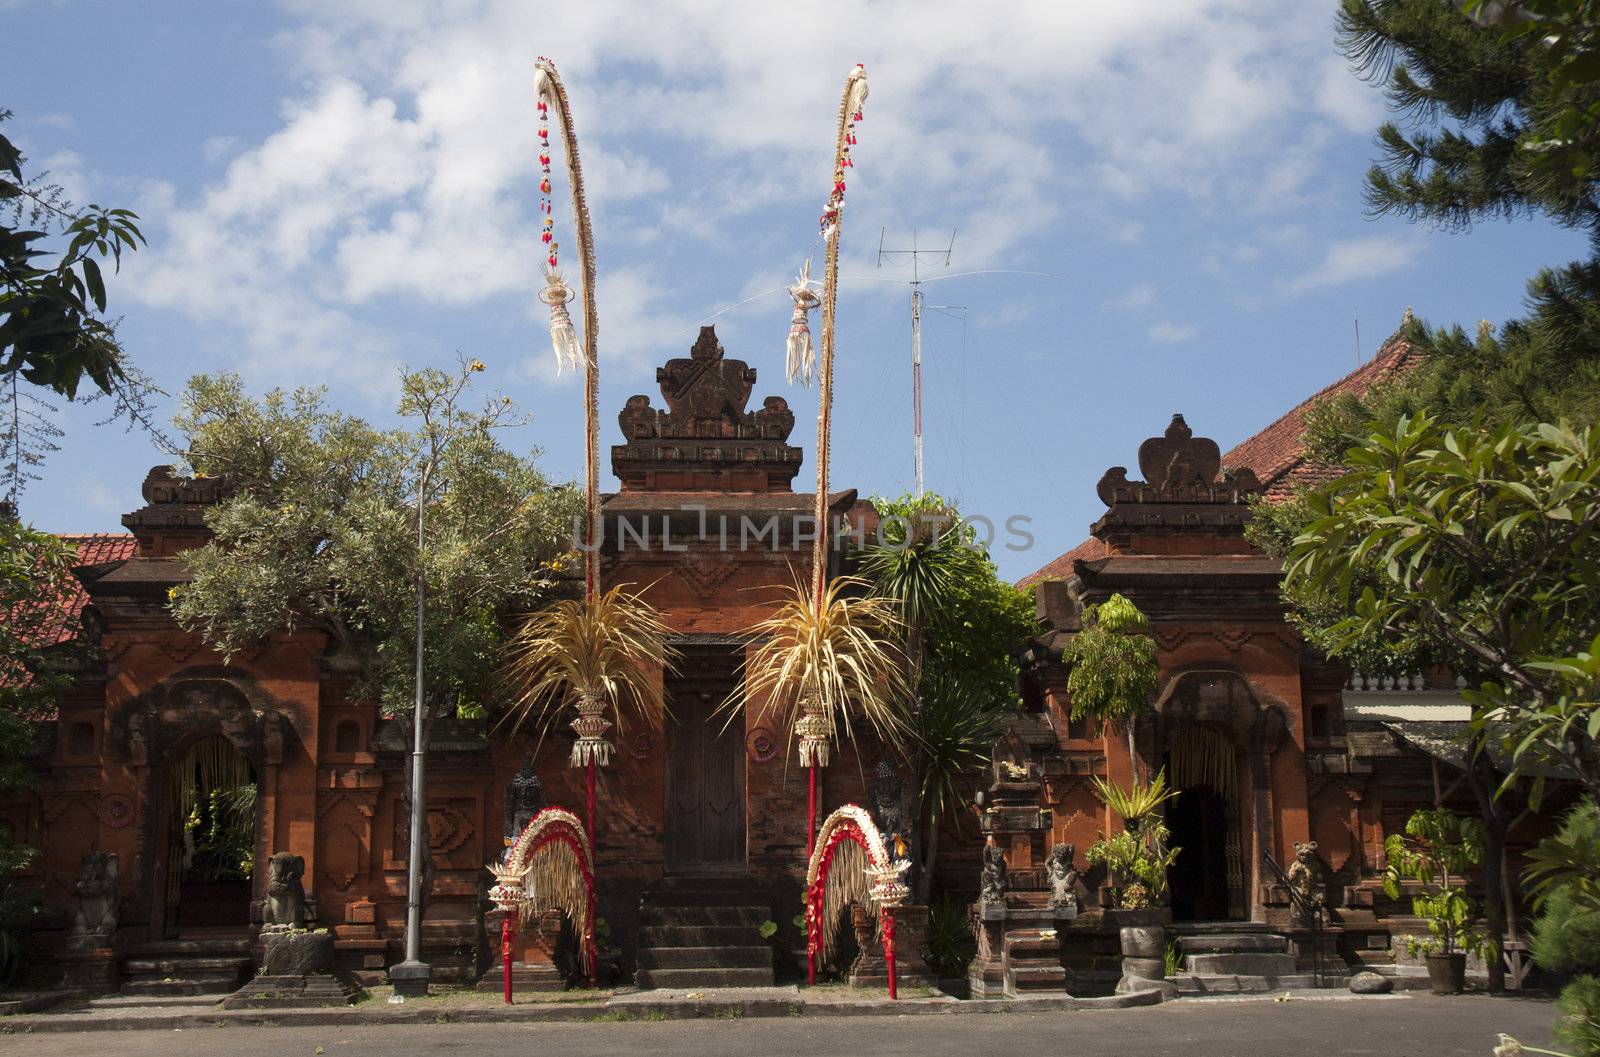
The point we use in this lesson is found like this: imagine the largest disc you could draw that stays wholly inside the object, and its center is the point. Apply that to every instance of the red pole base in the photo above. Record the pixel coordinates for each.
(507, 931)
(888, 949)
(811, 812)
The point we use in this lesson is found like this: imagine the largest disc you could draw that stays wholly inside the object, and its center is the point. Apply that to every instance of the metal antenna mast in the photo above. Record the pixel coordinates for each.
(916, 255)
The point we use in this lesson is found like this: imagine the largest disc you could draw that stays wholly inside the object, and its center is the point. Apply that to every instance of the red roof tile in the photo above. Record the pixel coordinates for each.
(96, 549)
(1275, 454)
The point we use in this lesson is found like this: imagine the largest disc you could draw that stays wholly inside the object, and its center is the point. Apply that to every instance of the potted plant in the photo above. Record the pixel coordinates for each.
(1137, 858)
(1435, 851)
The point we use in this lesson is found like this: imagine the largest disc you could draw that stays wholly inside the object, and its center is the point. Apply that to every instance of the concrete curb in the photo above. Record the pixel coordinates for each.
(564, 1012)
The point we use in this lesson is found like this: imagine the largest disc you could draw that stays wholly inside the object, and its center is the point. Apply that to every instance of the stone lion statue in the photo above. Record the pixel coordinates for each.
(286, 894)
(1308, 876)
(96, 920)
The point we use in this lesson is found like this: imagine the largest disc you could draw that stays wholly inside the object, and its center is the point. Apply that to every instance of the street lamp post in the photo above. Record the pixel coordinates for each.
(410, 977)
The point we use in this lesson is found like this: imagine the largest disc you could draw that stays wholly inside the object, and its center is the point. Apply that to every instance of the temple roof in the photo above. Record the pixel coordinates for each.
(1276, 454)
(94, 549)
(705, 440)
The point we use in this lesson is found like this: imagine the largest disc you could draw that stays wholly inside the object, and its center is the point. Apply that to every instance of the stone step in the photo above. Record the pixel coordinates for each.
(663, 978)
(192, 947)
(698, 935)
(705, 958)
(1026, 946)
(1231, 943)
(708, 897)
(704, 915)
(186, 966)
(1036, 978)
(116, 1002)
(193, 984)
(1240, 964)
(1208, 984)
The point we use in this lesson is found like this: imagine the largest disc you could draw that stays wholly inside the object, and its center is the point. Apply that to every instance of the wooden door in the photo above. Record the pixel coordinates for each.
(705, 762)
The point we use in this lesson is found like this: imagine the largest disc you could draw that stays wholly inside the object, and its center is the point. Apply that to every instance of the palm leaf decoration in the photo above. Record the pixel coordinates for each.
(1137, 802)
(828, 663)
(574, 650)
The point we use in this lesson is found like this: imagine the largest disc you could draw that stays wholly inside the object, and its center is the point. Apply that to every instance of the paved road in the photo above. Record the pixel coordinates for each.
(1410, 1025)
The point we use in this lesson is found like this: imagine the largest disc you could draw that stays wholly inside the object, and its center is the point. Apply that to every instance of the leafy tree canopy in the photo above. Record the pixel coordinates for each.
(1492, 123)
(320, 530)
(1479, 548)
(52, 302)
(35, 575)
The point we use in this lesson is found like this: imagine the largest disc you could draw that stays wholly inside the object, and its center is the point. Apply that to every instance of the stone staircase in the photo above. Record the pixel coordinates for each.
(170, 968)
(703, 931)
(1235, 957)
(1033, 962)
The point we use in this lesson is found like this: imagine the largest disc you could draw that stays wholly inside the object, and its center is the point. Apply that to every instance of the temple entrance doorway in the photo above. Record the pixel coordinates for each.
(211, 838)
(1207, 881)
(705, 762)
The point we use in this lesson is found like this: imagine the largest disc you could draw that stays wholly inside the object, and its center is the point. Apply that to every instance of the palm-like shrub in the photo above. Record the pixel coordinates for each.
(608, 648)
(836, 661)
(1138, 858)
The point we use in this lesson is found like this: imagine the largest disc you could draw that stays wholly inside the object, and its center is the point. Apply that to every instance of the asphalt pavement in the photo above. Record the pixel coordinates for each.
(1412, 1025)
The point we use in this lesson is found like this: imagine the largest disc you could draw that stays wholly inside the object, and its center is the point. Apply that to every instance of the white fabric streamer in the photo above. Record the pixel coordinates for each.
(801, 359)
(563, 337)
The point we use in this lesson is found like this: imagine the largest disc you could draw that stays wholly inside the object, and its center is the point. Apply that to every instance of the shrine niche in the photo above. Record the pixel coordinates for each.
(1221, 699)
(705, 439)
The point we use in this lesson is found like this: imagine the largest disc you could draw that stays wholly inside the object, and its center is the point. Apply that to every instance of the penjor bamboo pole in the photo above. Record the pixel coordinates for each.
(830, 297)
(557, 92)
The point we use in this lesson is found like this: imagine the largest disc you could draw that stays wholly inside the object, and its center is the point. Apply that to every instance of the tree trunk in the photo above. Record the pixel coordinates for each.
(1133, 756)
(1481, 779)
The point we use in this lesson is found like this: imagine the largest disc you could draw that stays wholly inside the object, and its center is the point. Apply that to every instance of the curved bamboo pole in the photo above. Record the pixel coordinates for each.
(548, 86)
(855, 94)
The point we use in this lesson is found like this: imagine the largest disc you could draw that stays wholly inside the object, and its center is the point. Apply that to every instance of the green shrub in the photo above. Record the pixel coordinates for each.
(1579, 1023)
(1566, 936)
(951, 945)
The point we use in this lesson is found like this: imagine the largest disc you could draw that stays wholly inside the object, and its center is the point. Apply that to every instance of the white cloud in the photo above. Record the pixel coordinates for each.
(1355, 106)
(403, 174)
(1139, 295)
(1353, 260)
(1168, 333)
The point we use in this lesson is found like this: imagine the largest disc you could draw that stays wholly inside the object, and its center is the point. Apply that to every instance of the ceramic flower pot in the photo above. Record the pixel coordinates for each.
(1447, 973)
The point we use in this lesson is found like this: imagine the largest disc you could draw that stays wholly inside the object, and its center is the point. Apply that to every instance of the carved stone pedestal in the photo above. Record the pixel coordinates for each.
(297, 973)
(910, 936)
(1144, 946)
(987, 974)
(533, 964)
(92, 967)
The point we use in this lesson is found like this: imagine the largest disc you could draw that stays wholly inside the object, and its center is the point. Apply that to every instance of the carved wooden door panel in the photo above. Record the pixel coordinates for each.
(705, 763)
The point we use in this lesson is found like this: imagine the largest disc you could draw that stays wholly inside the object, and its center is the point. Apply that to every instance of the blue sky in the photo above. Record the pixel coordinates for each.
(334, 188)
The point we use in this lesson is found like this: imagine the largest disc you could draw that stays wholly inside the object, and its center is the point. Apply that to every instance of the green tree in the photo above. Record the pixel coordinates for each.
(1479, 549)
(1485, 117)
(53, 324)
(35, 577)
(1114, 673)
(319, 531)
(964, 627)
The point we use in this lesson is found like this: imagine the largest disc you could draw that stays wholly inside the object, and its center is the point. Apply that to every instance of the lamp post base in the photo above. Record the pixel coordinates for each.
(410, 979)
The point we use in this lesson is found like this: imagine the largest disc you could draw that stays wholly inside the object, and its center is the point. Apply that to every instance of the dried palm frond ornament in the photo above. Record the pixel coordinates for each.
(550, 866)
(851, 864)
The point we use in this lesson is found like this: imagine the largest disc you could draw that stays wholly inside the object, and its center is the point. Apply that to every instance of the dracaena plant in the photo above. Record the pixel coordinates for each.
(1436, 850)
